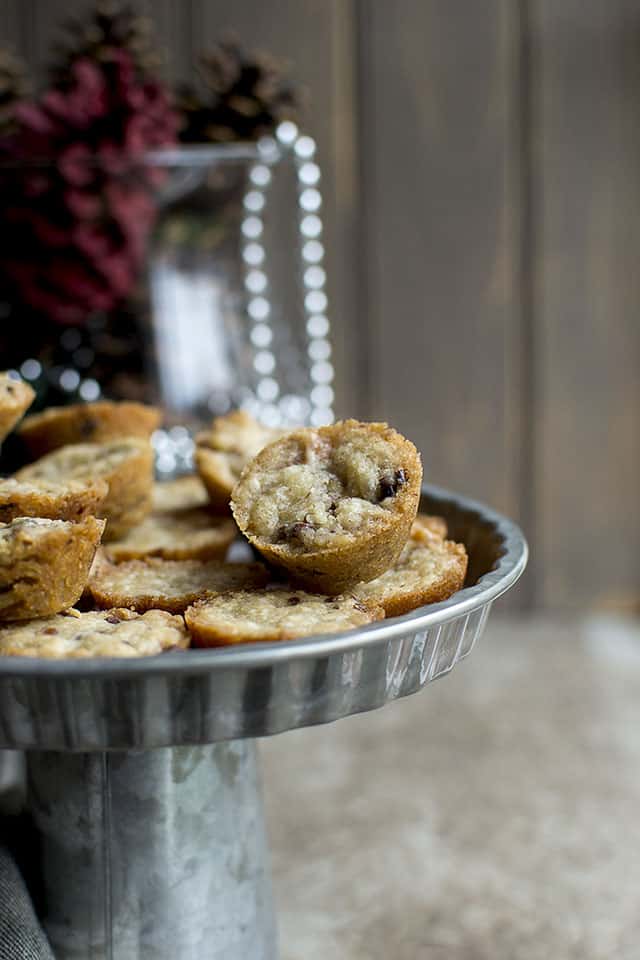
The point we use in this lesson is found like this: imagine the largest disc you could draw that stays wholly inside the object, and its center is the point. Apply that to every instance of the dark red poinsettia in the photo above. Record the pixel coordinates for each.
(76, 196)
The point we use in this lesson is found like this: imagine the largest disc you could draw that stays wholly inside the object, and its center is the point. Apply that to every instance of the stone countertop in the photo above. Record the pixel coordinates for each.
(494, 816)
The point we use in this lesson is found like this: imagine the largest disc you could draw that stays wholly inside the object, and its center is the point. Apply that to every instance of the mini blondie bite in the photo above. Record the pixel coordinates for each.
(428, 570)
(98, 422)
(125, 465)
(190, 534)
(331, 506)
(72, 500)
(251, 616)
(16, 396)
(104, 633)
(224, 450)
(169, 585)
(44, 564)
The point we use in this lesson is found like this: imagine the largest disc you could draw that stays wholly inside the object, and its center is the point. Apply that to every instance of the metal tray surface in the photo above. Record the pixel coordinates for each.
(203, 696)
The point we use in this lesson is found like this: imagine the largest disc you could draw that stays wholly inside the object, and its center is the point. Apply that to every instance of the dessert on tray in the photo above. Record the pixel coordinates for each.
(44, 564)
(171, 585)
(190, 534)
(15, 397)
(250, 616)
(426, 571)
(103, 633)
(331, 506)
(70, 500)
(86, 423)
(126, 465)
(226, 448)
(332, 511)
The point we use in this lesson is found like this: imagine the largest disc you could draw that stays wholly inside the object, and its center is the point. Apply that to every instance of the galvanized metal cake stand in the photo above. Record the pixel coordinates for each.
(142, 775)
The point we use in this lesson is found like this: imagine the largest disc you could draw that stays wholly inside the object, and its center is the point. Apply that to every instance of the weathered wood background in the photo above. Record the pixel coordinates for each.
(482, 185)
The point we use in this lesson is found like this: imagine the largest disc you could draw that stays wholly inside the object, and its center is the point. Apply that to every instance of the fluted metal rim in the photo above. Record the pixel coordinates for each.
(507, 570)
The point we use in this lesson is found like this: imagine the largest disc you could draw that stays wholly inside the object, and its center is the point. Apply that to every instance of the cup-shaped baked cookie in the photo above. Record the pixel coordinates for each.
(98, 422)
(69, 500)
(100, 633)
(331, 506)
(126, 466)
(224, 450)
(268, 616)
(16, 396)
(44, 564)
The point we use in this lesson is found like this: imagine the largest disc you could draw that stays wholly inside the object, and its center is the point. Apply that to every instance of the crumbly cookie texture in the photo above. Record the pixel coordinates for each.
(331, 506)
(224, 450)
(105, 633)
(425, 526)
(181, 494)
(246, 616)
(125, 465)
(98, 422)
(428, 570)
(191, 534)
(171, 585)
(44, 564)
(72, 500)
(16, 396)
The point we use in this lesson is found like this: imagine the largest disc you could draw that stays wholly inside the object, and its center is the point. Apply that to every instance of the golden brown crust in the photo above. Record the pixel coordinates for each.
(427, 526)
(225, 448)
(376, 494)
(191, 534)
(98, 422)
(245, 616)
(184, 493)
(16, 396)
(73, 500)
(216, 475)
(428, 570)
(103, 633)
(170, 585)
(125, 465)
(44, 565)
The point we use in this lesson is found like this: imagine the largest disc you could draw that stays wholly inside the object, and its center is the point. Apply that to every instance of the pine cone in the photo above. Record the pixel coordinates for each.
(111, 26)
(13, 88)
(245, 97)
(77, 200)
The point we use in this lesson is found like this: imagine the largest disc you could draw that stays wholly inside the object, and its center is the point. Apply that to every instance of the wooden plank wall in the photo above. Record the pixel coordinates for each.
(482, 176)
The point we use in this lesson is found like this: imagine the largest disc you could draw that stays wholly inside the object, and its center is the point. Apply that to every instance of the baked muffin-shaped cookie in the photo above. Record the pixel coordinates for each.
(224, 450)
(331, 506)
(44, 564)
(429, 569)
(104, 633)
(266, 616)
(16, 396)
(72, 500)
(97, 422)
(425, 526)
(171, 585)
(126, 466)
(180, 494)
(192, 534)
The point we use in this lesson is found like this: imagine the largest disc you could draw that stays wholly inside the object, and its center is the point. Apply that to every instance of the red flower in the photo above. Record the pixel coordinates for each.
(78, 199)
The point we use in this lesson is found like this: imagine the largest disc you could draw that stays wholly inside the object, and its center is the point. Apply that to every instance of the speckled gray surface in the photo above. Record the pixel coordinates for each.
(493, 816)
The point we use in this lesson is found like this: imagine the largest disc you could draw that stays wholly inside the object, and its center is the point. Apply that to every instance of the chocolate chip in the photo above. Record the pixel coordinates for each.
(112, 619)
(293, 531)
(88, 426)
(390, 484)
(293, 601)
(50, 631)
(360, 606)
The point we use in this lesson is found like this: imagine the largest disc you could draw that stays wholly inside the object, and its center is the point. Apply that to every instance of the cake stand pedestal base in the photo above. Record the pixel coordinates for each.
(154, 855)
